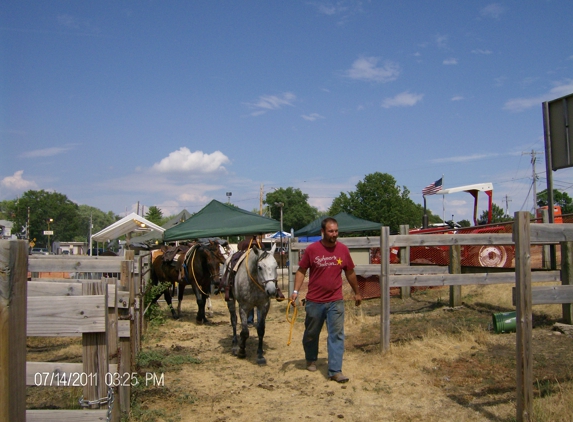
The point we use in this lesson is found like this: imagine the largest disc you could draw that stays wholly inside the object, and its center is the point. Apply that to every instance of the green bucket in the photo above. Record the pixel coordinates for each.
(504, 322)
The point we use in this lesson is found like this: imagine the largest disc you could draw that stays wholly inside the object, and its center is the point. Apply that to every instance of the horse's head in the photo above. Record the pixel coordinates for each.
(266, 271)
(214, 258)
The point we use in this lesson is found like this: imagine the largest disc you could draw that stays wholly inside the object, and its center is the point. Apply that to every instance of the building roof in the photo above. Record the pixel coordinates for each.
(129, 224)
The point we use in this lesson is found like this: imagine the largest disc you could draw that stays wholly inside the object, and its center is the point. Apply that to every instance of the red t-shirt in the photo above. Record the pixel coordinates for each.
(326, 266)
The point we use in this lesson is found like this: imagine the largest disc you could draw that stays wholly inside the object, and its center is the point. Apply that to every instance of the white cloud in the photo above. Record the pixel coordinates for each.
(17, 183)
(271, 102)
(481, 51)
(46, 152)
(441, 40)
(457, 98)
(312, 117)
(463, 158)
(364, 68)
(521, 104)
(450, 61)
(183, 160)
(494, 10)
(402, 100)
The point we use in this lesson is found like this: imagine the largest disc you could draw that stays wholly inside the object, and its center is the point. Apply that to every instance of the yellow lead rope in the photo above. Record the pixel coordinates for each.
(291, 320)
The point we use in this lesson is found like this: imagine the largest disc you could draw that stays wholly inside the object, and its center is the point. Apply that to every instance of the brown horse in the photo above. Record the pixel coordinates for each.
(196, 264)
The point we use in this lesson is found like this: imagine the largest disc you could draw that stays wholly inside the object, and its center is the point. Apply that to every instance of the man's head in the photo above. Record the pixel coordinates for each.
(329, 229)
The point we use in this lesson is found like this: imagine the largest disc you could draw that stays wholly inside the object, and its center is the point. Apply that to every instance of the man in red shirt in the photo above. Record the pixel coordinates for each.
(326, 259)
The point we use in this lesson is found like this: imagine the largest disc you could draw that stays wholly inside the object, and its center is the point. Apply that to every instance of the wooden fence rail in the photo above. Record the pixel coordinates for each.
(103, 314)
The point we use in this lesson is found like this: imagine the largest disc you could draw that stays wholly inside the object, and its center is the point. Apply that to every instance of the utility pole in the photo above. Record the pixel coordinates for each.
(507, 201)
(261, 200)
(534, 177)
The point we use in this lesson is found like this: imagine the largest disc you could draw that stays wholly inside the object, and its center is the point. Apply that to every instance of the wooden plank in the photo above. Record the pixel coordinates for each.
(524, 353)
(450, 239)
(58, 374)
(385, 289)
(83, 264)
(42, 288)
(95, 354)
(455, 268)
(430, 280)
(567, 277)
(367, 270)
(405, 291)
(123, 328)
(546, 295)
(65, 315)
(66, 415)
(546, 233)
(13, 264)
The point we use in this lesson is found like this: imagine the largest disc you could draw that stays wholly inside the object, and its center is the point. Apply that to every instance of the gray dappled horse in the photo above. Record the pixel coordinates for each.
(198, 266)
(255, 283)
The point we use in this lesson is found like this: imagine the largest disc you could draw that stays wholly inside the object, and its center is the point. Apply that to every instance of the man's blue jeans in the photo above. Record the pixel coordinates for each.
(316, 315)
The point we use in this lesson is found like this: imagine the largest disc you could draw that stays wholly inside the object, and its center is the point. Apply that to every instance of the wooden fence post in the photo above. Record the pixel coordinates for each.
(524, 363)
(95, 353)
(567, 276)
(455, 268)
(13, 292)
(405, 291)
(385, 289)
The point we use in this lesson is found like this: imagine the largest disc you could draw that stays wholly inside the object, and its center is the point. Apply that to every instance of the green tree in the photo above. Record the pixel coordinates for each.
(498, 215)
(41, 207)
(377, 198)
(100, 220)
(559, 198)
(154, 215)
(297, 212)
(464, 223)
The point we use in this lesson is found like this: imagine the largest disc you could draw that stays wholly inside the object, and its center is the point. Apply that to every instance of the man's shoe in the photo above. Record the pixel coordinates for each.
(339, 377)
(311, 366)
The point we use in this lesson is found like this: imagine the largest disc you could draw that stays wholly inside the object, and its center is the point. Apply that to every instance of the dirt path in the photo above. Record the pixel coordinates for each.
(224, 388)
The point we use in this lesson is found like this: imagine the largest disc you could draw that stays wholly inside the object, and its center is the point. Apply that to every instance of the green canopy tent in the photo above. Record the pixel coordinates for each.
(220, 220)
(346, 224)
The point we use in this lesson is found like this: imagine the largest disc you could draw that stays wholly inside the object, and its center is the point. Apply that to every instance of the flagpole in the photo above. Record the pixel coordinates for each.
(443, 202)
(425, 217)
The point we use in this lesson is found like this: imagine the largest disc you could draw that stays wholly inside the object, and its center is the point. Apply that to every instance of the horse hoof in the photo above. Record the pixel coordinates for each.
(234, 351)
(261, 361)
(176, 317)
(242, 354)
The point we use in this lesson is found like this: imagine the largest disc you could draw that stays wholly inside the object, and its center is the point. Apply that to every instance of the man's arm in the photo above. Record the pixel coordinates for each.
(298, 281)
(353, 281)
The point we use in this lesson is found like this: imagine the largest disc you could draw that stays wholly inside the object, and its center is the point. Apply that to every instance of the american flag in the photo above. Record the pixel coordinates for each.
(433, 188)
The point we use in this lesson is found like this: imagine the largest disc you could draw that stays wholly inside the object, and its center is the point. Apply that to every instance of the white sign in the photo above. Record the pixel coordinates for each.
(48, 232)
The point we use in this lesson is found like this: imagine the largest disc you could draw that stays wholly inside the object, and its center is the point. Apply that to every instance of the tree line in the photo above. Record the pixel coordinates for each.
(376, 198)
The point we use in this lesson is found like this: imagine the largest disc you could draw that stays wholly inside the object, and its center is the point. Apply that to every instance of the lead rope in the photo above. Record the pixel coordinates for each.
(249, 273)
(292, 319)
(193, 271)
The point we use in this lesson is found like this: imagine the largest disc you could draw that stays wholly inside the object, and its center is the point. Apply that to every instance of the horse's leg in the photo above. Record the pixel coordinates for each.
(180, 293)
(201, 317)
(244, 332)
(261, 315)
(167, 296)
(233, 314)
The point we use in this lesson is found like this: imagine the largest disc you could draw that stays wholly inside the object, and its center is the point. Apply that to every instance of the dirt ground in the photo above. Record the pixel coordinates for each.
(444, 364)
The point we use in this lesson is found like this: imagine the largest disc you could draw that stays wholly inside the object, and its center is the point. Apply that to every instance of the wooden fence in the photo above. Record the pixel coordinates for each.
(523, 237)
(106, 314)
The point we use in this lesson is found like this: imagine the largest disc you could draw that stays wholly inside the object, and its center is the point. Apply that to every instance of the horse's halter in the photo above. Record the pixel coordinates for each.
(262, 286)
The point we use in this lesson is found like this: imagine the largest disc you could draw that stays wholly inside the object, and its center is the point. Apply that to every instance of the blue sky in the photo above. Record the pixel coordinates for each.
(175, 103)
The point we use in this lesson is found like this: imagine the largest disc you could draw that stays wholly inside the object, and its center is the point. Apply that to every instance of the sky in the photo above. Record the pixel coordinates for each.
(175, 103)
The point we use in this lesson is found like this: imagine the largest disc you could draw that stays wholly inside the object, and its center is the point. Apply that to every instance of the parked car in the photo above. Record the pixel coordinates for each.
(39, 251)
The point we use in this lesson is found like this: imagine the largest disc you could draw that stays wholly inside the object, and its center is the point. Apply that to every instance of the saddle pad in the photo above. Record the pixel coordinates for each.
(241, 259)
